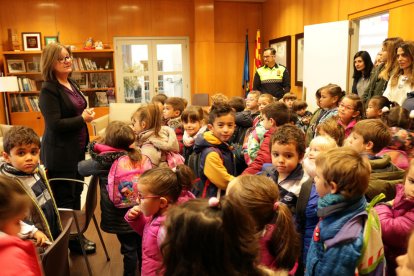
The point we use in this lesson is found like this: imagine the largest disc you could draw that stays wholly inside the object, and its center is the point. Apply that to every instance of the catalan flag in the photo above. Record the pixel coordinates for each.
(257, 55)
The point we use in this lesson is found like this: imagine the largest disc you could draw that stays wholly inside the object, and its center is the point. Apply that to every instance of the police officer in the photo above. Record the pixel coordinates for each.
(272, 78)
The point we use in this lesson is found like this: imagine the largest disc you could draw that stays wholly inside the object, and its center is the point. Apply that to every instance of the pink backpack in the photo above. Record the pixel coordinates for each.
(123, 178)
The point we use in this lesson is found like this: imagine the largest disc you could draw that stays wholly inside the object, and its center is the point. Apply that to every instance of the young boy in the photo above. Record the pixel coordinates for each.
(252, 103)
(369, 137)
(304, 116)
(289, 99)
(173, 108)
(21, 154)
(287, 151)
(216, 161)
(274, 115)
(342, 177)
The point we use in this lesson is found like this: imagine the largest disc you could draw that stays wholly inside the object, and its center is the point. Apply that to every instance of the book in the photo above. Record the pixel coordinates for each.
(28, 104)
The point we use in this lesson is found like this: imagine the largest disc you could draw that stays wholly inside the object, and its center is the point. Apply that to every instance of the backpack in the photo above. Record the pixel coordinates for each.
(123, 178)
(173, 159)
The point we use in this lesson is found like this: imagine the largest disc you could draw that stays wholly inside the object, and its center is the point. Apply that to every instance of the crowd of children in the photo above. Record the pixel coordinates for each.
(235, 190)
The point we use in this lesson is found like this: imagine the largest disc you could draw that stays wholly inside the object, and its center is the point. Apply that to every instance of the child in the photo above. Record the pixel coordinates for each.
(158, 189)
(331, 128)
(173, 108)
(21, 155)
(159, 99)
(342, 177)
(217, 167)
(304, 116)
(306, 207)
(349, 112)
(331, 94)
(310, 132)
(116, 143)
(194, 125)
(289, 99)
(397, 220)
(252, 103)
(16, 256)
(153, 139)
(375, 107)
(210, 238)
(274, 116)
(406, 262)
(279, 241)
(368, 138)
(287, 150)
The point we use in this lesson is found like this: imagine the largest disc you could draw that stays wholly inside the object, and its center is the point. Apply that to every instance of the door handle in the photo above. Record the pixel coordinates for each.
(156, 89)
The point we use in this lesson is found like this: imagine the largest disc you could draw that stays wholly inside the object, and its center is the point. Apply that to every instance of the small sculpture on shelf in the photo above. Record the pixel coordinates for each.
(98, 45)
(89, 44)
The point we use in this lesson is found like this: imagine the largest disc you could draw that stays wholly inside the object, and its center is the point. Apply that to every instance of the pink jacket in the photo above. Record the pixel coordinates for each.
(18, 257)
(185, 196)
(396, 224)
(150, 228)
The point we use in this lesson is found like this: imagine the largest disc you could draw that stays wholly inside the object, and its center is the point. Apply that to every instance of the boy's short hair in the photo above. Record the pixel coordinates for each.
(293, 117)
(19, 136)
(238, 103)
(373, 130)
(176, 103)
(288, 134)
(347, 168)
(299, 105)
(289, 96)
(255, 93)
(277, 111)
(218, 110)
(268, 97)
(219, 98)
(323, 141)
(333, 129)
(160, 98)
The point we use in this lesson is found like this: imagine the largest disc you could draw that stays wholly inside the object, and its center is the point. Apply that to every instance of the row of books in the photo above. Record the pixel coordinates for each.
(81, 64)
(26, 84)
(20, 103)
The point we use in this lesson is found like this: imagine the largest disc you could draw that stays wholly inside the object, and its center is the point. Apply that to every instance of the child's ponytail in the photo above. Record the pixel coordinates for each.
(185, 177)
(284, 243)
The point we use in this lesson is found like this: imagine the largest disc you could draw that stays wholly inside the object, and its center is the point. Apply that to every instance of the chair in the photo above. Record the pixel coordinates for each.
(82, 218)
(3, 130)
(200, 99)
(55, 259)
(117, 112)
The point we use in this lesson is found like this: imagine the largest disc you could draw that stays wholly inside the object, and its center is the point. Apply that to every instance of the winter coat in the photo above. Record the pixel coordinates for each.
(189, 141)
(376, 85)
(102, 158)
(154, 146)
(177, 126)
(331, 251)
(396, 221)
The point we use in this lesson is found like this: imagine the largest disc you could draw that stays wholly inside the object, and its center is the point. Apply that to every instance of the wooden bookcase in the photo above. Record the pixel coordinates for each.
(92, 69)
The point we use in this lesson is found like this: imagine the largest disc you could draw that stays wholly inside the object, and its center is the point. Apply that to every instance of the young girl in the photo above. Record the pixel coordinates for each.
(194, 124)
(397, 220)
(158, 189)
(349, 112)
(153, 139)
(406, 262)
(279, 243)
(377, 106)
(210, 238)
(16, 256)
(118, 141)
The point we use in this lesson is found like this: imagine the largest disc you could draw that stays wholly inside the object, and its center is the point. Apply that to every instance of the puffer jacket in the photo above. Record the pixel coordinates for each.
(396, 221)
(154, 147)
(102, 157)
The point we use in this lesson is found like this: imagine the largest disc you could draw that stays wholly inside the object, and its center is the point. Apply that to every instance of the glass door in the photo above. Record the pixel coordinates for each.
(148, 66)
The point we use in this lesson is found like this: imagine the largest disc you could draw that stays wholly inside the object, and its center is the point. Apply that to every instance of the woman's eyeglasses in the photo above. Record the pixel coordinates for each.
(65, 59)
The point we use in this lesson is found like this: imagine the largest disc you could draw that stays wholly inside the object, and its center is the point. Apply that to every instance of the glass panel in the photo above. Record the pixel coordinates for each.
(133, 89)
(171, 85)
(372, 32)
(169, 58)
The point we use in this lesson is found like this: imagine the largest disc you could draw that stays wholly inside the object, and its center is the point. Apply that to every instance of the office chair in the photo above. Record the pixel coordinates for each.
(55, 259)
(82, 218)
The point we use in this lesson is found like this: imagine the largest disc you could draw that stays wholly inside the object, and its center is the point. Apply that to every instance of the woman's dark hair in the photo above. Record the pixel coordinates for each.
(368, 65)
(218, 110)
(210, 240)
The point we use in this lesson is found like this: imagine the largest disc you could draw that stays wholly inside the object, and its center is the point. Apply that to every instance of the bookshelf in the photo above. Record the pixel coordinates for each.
(92, 69)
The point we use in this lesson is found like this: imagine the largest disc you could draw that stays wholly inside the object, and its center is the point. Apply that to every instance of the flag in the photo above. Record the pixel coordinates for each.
(257, 56)
(246, 73)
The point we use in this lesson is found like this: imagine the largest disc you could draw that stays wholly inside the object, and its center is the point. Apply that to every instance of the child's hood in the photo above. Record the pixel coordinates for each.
(207, 139)
(104, 153)
(166, 141)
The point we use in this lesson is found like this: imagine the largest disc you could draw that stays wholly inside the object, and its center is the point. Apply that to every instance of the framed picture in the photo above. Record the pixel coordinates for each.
(101, 80)
(16, 66)
(32, 66)
(299, 44)
(282, 47)
(81, 79)
(31, 41)
(51, 39)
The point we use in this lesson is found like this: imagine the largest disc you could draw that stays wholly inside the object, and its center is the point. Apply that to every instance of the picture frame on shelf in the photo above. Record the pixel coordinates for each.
(32, 67)
(16, 66)
(282, 47)
(32, 41)
(299, 47)
(81, 79)
(100, 80)
(50, 39)
(101, 99)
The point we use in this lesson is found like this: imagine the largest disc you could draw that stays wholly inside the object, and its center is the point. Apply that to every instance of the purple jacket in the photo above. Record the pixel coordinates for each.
(152, 235)
(396, 224)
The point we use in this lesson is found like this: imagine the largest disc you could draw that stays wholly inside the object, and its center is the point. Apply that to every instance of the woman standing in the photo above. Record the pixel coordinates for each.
(402, 75)
(362, 70)
(66, 135)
